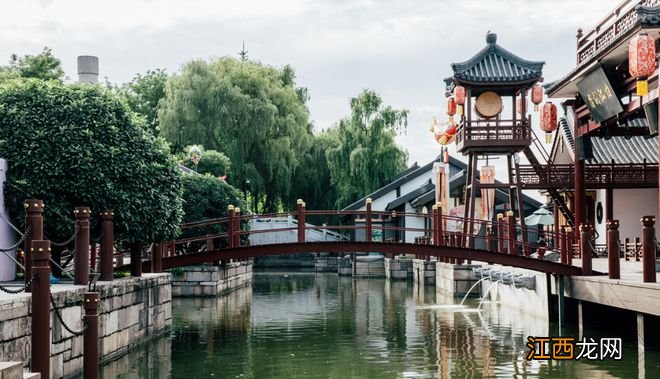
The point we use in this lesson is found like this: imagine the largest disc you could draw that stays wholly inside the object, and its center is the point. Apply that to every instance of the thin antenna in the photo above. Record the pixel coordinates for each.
(243, 54)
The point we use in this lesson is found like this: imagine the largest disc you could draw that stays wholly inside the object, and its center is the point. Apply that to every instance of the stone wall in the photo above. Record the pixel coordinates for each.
(132, 311)
(325, 263)
(399, 268)
(423, 272)
(455, 279)
(195, 281)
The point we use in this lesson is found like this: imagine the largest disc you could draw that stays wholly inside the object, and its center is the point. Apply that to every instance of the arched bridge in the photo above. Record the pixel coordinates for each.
(420, 235)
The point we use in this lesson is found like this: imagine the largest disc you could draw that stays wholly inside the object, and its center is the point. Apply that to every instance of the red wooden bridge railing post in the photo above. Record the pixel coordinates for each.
(500, 233)
(40, 339)
(107, 248)
(171, 251)
(570, 239)
(81, 257)
(585, 248)
(434, 224)
(34, 220)
(237, 227)
(91, 336)
(230, 226)
(156, 258)
(490, 239)
(613, 247)
(511, 224)
(136, 259)
(301, 220)
(367, 221)
(648, 249)
(562, 244)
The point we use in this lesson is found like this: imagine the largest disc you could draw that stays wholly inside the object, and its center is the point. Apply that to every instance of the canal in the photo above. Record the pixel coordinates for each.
(306, 325)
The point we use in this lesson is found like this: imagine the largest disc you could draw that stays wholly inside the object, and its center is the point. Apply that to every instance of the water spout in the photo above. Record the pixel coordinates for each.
(486, 293)
(471, 288)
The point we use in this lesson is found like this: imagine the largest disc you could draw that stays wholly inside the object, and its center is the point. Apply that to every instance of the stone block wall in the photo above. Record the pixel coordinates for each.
(326, 264)
(196, 281)
(132, 311)
(423, 272)
(455, 279)
(399, 268)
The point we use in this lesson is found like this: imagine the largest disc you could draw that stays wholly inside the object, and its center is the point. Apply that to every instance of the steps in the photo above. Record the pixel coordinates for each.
(14, 370)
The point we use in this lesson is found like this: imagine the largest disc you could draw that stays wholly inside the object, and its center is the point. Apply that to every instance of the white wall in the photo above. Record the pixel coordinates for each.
(7, 236)
(601, 228)
(629, 207)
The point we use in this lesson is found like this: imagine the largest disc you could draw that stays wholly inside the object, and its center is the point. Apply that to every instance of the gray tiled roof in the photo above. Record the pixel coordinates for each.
(494, 64)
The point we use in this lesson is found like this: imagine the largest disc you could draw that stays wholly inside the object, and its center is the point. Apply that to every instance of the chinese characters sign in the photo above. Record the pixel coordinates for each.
(568, 348)
(599, 96)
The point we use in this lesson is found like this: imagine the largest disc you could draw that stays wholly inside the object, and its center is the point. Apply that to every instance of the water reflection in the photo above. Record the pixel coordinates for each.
(324, 326)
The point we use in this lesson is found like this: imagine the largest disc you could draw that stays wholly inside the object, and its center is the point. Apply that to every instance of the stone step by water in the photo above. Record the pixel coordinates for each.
(14, 370)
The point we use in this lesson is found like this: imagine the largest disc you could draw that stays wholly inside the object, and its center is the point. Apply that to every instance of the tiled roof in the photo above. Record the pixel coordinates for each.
(494, 64)
(426, 187)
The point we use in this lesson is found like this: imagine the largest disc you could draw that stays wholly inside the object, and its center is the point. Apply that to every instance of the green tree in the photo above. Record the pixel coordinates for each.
(212, 162)
(367, 156)
(251, 112)
(75, 145)
(43, 66)
(143, 94)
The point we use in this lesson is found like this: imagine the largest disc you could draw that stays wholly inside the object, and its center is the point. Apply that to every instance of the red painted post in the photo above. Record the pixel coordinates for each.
(237, 227)
(171, 251)
(570, 238)
(107, 248)
(613, 263)
(230, 226)
(500, 233)
(441, 226)
(156, 258)
(585, 248)
(301, 220)
(81, 258)
(541, 252)
(368, 224)
(511, 223)
(490, 239)
(562, 245)
(34, 222)
(91, 336)
(92, 255)
(648, 249)
(136, 259)
(434, 223)
(40, 355)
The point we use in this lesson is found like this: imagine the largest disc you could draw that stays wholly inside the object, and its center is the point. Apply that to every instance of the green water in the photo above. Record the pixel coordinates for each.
(321, 326)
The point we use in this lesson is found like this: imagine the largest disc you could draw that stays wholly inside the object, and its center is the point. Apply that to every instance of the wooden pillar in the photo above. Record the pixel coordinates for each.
(81, 257)
(585, 248)
(467, 195)
(136, 259)
(500, 233)
(34, 223)
(237, 227)
(613, 263)
(521, 207)
(434, 222)
(490, 239)
(555, 234)
(511, 224)
(301, 220)
(91, 336)
(609, 204)
(40, 339)
(648, 249)
(156, 258)
(512, 204)
(570, 239)
(562, 245)
(473, 205)
(368, 221)
(230, 226)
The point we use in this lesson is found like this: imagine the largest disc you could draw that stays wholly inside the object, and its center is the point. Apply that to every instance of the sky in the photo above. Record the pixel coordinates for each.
(402, 49)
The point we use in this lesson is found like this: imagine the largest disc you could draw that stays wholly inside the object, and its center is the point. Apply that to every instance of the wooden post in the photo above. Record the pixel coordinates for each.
(441, 226)
(136, 259)
(490, 239)
(511, 223)
(570, 238)
(107, 248)
(81, 258)
(91, 336)
(500, 233)
(585, 248)
(172, 251)
(34, 222)
(434, 223)
(613, 263)
(368, 221)
(156, 258)
(562, 245)
(300, 215)
(648, 249)
(555, 235)
(230, 226)
(237, 227)
(40, 339)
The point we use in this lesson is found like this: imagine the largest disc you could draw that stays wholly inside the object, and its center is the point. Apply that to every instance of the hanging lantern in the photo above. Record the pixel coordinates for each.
(537, 96)
(459, 95)
(549, 120)
(641, 61)
(451, 108)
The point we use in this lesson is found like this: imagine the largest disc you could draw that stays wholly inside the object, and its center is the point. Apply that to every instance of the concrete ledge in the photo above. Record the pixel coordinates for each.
(210, 281)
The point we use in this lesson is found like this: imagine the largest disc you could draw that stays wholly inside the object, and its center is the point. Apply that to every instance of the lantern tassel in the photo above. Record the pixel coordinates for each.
(460, 110)
(642, 87)
(548, 138)
(536, 107)
(451, 119)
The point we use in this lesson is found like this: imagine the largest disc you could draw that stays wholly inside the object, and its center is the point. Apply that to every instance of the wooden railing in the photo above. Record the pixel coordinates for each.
(596, 176)
(493, 134)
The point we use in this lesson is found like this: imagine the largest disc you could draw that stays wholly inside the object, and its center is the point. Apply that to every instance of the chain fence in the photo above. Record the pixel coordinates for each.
(58, 315)
(19, 289)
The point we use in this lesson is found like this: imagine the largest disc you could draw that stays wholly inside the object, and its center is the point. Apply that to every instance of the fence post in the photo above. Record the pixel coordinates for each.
(91, 336)
(500, 233)
(441, 226)
(368, 221)
(40, 339)
(490, 239)
(136, 259)
(511, 223)
(81, 258)
(34, 220)
(562, 244)
(107, 248)
(230, 226)
(648, 249)
(156, 258)
(570, 238)
(301, 220)
(434, 223)
(585, 248)
(613, 263)
(237, 227)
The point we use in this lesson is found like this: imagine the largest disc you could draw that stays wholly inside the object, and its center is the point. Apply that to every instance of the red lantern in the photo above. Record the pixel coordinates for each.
(459, 95)
(537, 96)
(451, 108)
(549, 120)
(641, 61)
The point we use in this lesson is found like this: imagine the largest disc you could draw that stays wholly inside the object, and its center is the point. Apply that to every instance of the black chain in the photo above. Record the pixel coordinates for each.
(17, 244)
(20, 289)
(75, 233)
(64, 325)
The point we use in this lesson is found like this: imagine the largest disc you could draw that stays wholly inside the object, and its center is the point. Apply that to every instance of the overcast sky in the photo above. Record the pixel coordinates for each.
(400, 48)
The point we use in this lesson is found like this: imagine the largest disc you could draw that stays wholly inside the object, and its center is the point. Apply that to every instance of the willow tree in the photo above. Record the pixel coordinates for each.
(251, 112)
(367, 155)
